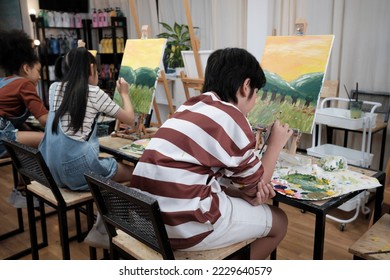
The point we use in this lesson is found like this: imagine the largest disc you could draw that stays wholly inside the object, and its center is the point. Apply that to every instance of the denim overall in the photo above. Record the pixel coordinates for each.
(8, 126)
(68, 159)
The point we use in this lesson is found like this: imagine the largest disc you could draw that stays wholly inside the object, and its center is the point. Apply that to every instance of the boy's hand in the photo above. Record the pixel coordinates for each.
(265, 191)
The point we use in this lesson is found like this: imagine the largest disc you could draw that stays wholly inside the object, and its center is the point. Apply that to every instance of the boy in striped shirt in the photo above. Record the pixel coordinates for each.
(203, 168)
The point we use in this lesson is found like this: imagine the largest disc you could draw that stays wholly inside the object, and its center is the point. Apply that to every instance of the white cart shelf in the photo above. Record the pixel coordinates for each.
(339, 117)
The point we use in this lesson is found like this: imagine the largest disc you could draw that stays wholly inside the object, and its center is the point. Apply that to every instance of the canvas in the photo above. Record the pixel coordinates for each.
(140, 67)
(190, 64)
(295, 68)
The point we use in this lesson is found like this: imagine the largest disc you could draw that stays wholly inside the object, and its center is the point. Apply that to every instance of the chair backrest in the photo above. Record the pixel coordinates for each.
(381, 97)
(131, 211)
(31, 165)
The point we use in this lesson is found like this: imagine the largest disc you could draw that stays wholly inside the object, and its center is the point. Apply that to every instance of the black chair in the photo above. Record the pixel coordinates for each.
(20, 227)
(382, 121)
(134, 224)
(31, 165)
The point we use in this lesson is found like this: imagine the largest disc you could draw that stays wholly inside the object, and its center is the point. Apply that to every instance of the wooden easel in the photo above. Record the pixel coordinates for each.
(296, 137)
(190, 82)
(163, 78)
(140, 130)
(293, 143)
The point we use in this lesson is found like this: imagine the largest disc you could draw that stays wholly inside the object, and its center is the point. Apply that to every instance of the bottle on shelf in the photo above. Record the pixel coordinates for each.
(43, 14)
(50, 19)
(74, 42)
(100, 16)
(71, 20)
(105, 18)
(111, 13)
(118, 14)
(60, 44)
(65, 20)
(95, 18)
(54, 45)
(57, 19)
(78, 20)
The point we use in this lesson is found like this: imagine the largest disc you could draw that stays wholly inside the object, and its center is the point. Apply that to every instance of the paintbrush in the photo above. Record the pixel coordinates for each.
(346, 90)
(266, 137)
(357, 91)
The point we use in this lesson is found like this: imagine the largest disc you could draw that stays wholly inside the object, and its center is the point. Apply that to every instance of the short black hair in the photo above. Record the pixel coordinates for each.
(227, 70)
(16, 49)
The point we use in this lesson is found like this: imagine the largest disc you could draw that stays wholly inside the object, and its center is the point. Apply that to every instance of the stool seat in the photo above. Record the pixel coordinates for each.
(142, 252)
(375, 243)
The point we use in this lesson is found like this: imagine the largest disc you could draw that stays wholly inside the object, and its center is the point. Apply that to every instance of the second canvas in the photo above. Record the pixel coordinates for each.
(140, 68)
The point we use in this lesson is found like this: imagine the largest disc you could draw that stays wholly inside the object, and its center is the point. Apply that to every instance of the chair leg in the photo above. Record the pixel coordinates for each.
(32, 225)
(90, 221)
(19, 212)
(64, 235)
(42, 213)
(78, 224)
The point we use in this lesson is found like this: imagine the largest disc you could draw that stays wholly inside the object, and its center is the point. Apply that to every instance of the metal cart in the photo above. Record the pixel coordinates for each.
(340, 117)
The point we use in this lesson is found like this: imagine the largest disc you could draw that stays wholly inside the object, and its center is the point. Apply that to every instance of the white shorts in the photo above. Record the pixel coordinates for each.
(242, 222)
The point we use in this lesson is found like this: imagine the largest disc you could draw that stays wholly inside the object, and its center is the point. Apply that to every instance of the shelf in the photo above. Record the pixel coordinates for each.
(354, 157)
(338, 117)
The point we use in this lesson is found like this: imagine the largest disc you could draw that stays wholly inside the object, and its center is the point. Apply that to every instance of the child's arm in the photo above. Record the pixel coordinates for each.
(277, 140)
(125, 115)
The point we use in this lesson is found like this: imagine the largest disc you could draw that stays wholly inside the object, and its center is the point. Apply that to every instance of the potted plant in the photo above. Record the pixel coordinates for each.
(179, 40)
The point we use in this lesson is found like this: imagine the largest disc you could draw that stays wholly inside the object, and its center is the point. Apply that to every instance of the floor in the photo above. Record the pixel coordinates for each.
(297, 245)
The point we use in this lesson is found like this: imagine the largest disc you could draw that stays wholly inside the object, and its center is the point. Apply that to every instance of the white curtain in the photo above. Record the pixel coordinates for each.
(221, 23)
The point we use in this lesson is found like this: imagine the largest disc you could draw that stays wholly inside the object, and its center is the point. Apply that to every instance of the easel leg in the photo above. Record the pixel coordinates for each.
(294, 143)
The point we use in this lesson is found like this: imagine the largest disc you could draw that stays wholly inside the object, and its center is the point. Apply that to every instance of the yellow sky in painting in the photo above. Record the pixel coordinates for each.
(143, 53)
(293, 56)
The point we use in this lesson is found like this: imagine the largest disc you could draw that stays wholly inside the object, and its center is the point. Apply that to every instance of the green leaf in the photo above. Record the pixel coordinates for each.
(166, 26)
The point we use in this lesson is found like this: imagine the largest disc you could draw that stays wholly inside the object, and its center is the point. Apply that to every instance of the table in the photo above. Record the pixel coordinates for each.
(321, 208)
(110, 145)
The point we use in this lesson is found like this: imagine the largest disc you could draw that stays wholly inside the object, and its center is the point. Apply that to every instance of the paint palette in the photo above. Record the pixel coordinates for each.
(305, 187)
(136, 147)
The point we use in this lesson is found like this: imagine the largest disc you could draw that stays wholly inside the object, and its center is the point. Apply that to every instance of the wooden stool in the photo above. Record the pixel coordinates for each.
(375, 243)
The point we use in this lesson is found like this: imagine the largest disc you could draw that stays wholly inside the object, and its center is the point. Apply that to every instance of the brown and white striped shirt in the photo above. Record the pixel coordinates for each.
(206, 146)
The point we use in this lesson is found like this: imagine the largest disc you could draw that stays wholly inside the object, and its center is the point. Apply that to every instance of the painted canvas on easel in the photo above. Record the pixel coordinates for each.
(140, 67)
(295, 68)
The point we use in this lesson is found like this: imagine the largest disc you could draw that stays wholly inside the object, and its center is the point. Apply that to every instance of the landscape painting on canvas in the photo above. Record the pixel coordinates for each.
(140, 68)
(295, 68)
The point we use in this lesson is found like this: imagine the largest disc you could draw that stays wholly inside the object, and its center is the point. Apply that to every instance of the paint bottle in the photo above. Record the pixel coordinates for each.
(111, 14)
(54, 46)
(57, 19)
(65, 20)
(50, 19)
(95, 19)
(77, 21)
(61, 44)
(71, 20)
(105, 18)
(100, 17)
